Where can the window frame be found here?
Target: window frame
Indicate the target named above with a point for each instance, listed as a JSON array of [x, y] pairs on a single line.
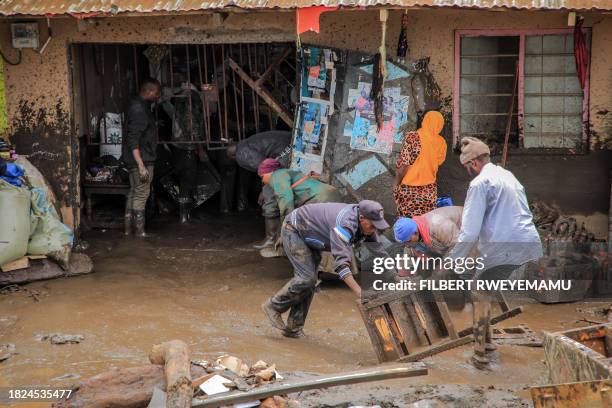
[[521, 33]]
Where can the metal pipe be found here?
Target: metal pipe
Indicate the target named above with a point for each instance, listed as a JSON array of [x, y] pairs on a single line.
[[208, 135]]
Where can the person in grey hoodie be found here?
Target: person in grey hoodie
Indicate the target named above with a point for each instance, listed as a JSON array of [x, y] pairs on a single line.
[[307, 231]]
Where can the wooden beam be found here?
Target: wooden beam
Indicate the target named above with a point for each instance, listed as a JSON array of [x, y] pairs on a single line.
[[274, 66], [384, 372], [286, 116]]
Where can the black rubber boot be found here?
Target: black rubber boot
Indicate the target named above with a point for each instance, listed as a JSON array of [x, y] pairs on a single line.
[[139, 223], [185, 212], [272, 227], [128, 222]]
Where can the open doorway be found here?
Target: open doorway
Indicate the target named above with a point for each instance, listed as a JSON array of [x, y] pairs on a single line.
[[212, 96]]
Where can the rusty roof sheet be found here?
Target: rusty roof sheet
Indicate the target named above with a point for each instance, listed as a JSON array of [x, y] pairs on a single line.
[[42, 7]]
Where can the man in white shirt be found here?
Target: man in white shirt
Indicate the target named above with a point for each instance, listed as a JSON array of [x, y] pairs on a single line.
[[497, 218]]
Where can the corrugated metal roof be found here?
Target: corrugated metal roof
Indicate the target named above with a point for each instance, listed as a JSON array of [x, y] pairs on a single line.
[[41, 7]]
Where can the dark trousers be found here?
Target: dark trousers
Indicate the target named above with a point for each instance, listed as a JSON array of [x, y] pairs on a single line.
[[185, 164], [297, 294]]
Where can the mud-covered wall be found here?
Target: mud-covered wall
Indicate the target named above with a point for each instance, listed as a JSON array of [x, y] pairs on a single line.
[[39, 103]]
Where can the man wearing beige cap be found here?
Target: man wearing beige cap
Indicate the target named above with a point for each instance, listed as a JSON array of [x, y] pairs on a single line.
[[497, 218]]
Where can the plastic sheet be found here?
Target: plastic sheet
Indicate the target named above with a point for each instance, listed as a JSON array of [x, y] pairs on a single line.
[[50, 237]]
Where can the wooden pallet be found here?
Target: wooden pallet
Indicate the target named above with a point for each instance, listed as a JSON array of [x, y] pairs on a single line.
[[409, 326]]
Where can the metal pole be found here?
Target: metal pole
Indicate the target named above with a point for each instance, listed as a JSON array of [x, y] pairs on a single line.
[[204, 100], [224, 90], [231, 49], [187, 56], [254, 100], [214, 58], [242, 97]]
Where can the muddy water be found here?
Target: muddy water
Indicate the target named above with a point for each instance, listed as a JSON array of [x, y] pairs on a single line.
[[204, 284]]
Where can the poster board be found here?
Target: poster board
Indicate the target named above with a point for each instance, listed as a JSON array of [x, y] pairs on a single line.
[[316, 105]]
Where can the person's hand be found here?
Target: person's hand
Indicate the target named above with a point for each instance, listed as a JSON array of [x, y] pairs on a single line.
[[260, 199], [143, 173]]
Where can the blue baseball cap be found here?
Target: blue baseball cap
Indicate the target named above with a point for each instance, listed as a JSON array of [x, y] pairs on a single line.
[[404, 228]]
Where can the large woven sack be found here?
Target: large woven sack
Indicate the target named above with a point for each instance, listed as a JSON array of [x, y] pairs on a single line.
[[14, 221]]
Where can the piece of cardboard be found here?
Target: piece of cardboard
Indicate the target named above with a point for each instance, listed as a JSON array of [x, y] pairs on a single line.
[[20, 263]]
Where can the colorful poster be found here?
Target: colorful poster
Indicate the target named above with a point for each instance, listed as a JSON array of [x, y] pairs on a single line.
[[364, 131], [312, 128], [318, 74]]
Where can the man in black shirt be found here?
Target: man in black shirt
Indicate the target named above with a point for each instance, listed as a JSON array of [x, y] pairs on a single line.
[[139, 154]]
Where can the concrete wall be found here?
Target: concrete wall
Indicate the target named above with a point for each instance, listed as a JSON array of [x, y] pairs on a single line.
[[39, 90]]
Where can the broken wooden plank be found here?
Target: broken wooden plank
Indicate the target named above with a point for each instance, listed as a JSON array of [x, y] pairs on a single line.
[[494, 320], [175, 357], [46, 269], [275, 65], [354, 377], [438, 348], [577, 355], [20, 263], [285, 115], [573, 395]]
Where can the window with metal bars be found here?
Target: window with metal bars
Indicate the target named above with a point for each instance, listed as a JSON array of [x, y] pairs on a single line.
[[538, 68]]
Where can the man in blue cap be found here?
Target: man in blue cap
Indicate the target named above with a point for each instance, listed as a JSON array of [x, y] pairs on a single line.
[[307, 231], [433, 233]]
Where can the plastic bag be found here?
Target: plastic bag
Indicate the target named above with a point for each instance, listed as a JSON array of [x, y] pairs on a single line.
[[50, 237], [14, 222], [35, 178]]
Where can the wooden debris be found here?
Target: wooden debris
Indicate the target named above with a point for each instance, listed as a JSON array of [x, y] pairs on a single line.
[[578, 355], [46, 269], [385, 372], [573, 395], [175, 356], [20, 263], [120, 388]]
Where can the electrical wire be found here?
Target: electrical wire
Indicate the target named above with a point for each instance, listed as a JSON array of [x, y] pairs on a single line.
[[9, 61]]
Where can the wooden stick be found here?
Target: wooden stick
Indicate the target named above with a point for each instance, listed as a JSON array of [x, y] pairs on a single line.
[[373, 374], [509, 122], [285, 115], [175, 357]]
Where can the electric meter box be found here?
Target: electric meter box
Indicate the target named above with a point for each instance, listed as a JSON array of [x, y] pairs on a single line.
[[25, 35]]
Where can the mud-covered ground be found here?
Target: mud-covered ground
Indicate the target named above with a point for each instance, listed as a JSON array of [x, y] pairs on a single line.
[[204, 284]]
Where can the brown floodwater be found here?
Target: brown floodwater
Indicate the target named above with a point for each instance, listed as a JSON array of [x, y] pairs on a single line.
[[204, 284]]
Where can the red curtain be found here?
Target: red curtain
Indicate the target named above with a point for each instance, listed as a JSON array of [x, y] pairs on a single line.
[[581, 53]]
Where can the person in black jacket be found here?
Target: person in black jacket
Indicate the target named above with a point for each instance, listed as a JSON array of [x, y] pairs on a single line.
[[139, 154]]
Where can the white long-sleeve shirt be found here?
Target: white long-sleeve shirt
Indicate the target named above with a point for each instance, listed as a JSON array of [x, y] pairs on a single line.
[[496, 215]]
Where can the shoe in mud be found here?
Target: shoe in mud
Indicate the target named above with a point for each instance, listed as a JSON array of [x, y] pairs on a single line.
[[275, 318], [480, 362], [293, 334]]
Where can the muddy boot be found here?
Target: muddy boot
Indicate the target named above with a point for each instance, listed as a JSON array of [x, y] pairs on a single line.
[[139, 223], [481, 312], [272, 226], [489, 345], [128, 222], [275, 317], [185, 212], [297, 317], [271, 252]]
